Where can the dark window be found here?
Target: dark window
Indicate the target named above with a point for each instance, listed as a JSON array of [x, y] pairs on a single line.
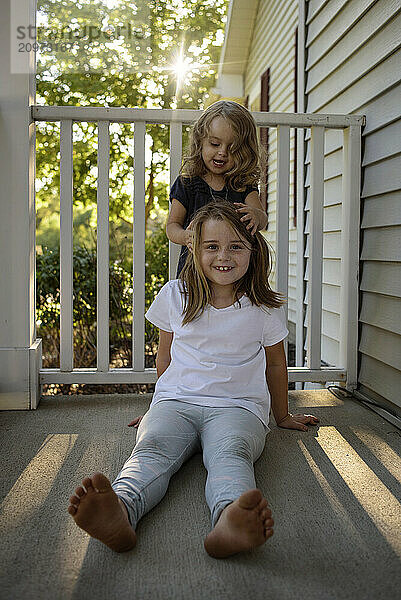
[[295, 142], [264, 137]]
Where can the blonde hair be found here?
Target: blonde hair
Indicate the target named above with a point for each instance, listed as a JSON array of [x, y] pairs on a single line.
[[255, 283], [245, 149]]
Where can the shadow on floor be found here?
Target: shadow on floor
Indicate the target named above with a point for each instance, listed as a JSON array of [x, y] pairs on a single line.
[[333, 492]]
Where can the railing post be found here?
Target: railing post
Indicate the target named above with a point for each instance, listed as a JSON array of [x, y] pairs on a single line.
[[282, 212], [315, 248], [350, 232], [300, 316], [20, 350], [300, 186]]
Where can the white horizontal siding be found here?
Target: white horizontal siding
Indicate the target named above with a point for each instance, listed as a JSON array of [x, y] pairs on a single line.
[[353, 28], [381, 110], [381, 311], [322, 86], [382, 144], [383, 210], [382, 243], [381, 278], [383, 345], [320, 14], [354, 66], [335, 28], [273, 47], [367, 88], [381, 379], [382, 177]]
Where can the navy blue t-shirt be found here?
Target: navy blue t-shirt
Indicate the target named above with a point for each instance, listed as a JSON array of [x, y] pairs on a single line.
[[193, 193]]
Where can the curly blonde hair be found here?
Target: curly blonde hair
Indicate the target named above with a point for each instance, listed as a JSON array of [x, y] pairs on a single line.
[[245, 150], [255, 283]]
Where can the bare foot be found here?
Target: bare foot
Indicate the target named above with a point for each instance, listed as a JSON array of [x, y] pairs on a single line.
[[97, 509], [243, 525]]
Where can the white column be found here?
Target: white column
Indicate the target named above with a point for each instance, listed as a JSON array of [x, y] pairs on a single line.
[[20, 351], [282, 212], [300, 141], [350, 255], [314, 312]]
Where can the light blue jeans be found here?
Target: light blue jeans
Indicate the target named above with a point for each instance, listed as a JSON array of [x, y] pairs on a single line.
[[231, 439]]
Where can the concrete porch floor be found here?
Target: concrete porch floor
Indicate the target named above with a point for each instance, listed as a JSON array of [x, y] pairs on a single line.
[[333, 492]]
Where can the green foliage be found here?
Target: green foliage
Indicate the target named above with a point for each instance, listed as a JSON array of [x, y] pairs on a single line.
[[84, 303], [188, 28], [121, 76], [138, 71]]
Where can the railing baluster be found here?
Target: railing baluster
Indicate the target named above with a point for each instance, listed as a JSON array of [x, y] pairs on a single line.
[[103, 159], [175, 164], [138, 325], [300, 183], [66, 248], [350, 230], [350, 254], [282, 212], [315, 248]]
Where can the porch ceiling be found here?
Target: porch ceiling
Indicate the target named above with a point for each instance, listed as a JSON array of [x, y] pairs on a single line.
[[238, 34], [332, 491]]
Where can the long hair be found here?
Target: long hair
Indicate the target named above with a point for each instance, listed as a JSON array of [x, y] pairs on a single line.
[[254, 283], [245, 149]]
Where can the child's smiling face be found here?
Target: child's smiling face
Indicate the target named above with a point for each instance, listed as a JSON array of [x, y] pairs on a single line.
[[216, 147], [224, 256]]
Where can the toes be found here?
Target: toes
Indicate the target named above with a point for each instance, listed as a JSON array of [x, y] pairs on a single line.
[[266, 514], [96, 483], [87, 484], [250, 499], [269, 523], [74, 500], [101, 483], [268, 533], [79, 492]]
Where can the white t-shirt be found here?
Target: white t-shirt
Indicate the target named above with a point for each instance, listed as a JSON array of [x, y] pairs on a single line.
[[218, 359]]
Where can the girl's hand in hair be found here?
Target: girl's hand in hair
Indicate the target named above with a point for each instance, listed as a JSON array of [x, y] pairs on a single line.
[[252, 215], [135, 422], [189, 236], [299, 421]]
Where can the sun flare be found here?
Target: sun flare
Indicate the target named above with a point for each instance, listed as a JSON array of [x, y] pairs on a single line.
[[181, 67]]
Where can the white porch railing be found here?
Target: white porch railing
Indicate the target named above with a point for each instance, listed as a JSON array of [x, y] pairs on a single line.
[[346, 371]]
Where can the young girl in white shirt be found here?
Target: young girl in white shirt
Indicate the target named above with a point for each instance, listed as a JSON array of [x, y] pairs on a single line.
[[220, 359]]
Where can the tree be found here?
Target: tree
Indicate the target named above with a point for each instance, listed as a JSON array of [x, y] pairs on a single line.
[[97, 72]]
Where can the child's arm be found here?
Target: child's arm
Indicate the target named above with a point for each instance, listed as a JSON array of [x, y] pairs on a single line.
[[277, 381], [174, 228], [253, 212], [163, 359]]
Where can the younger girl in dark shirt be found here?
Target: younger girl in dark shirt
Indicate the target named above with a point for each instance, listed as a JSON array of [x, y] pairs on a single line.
[[222, 163]]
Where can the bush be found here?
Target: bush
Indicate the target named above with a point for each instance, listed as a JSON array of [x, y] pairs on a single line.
[[84, 304]]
